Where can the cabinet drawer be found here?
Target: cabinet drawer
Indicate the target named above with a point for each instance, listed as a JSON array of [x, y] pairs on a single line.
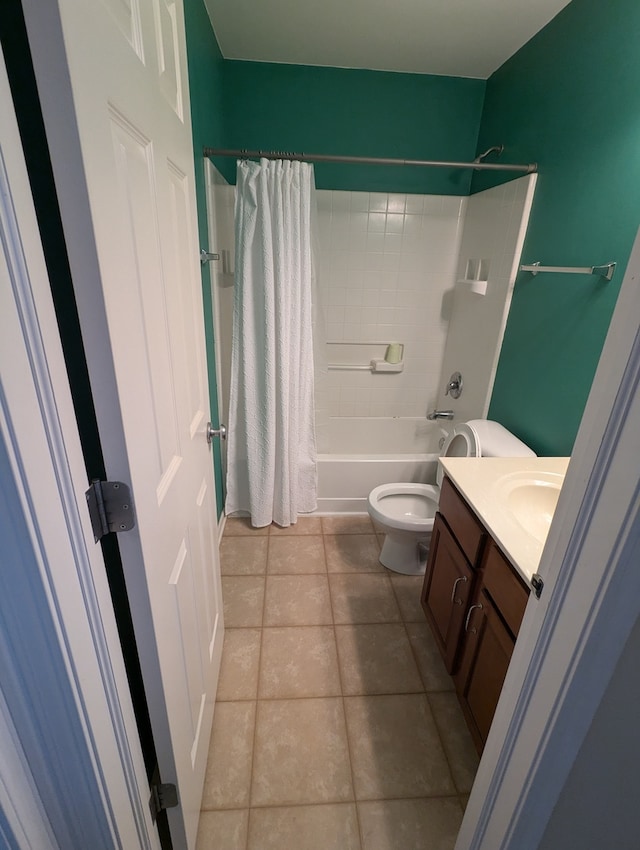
[[466, 528], [508, 591]]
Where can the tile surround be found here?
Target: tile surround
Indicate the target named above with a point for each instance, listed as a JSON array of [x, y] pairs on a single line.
[[340, 735], [387, 263]]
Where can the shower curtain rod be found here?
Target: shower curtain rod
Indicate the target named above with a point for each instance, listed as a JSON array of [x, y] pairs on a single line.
[[368, 160]]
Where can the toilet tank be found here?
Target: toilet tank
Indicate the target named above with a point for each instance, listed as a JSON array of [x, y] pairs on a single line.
[[496, 441]]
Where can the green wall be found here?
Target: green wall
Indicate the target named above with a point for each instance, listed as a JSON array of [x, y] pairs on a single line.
[[567, 100], [356, 113], [570, 100], [205, 87]]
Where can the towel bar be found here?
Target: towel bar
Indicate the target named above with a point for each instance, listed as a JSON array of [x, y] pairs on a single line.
[[606, 270]]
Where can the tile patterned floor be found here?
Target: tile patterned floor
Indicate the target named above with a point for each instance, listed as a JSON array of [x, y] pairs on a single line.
[[336, 725]]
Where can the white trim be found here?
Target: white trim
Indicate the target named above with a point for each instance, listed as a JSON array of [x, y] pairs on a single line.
[[221, 525], [572, 638], [532, 182], [20, 802]]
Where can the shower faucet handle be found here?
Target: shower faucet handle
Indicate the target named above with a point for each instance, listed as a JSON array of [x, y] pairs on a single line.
[[454, 387]]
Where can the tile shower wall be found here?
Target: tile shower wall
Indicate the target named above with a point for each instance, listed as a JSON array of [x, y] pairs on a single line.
[[387, 271]]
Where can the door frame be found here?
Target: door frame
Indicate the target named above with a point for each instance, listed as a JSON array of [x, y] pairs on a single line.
[[213, 274]]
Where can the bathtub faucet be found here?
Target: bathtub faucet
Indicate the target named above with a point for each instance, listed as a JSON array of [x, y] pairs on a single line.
[[440, 414]]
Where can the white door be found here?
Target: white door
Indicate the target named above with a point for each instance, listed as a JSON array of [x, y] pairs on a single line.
[[113, 83], [61, 667]]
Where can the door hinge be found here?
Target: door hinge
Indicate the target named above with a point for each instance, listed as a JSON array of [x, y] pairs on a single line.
[[163, 796], [110, 507], [537, 583]]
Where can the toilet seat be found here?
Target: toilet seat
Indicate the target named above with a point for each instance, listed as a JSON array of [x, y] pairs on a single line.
[[463, 441], [406, 512], [405, 507]]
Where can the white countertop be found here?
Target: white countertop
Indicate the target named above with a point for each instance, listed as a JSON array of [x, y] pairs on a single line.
[[480, 480]]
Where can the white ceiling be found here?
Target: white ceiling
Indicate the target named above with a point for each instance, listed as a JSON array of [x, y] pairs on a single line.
[[461, 38]]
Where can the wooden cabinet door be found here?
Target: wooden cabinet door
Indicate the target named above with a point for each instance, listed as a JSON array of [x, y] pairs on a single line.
[[447, 588], [484, 661]]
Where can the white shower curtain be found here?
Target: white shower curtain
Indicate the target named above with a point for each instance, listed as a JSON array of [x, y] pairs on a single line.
[[271, 460]]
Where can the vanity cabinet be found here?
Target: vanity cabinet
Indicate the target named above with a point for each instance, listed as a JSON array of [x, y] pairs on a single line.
[[446, 593], [474, 601], [457, 541], [491, 627]]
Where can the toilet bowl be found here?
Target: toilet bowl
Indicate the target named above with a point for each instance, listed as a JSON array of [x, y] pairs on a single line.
[[406, 511]]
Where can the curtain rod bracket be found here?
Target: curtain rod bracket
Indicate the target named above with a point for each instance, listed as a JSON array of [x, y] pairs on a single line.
[[497, 149]]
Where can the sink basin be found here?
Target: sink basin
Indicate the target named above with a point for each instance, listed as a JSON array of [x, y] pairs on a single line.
[[531, 499]]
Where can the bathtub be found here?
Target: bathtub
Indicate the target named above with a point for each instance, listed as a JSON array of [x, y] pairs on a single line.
[[368, 451]]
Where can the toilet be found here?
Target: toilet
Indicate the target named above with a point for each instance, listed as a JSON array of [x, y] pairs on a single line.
[[406, 511]]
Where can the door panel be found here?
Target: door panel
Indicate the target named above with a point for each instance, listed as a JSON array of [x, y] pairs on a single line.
[[136, 274], [186, 309], [62, 669]]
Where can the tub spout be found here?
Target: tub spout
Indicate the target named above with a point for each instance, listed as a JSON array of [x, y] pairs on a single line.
[[440, 414]]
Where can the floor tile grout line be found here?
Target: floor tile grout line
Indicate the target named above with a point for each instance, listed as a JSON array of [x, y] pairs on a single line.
[[298, 698], [442, 744], [375, 572], [411, 647], [346, 731], [255, 718], [426, 693], [317, 625], [354, 802]]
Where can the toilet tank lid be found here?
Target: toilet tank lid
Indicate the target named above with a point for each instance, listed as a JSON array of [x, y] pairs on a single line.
[[496, 441]]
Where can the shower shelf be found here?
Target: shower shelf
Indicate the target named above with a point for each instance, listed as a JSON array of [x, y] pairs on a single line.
[[374, 366], [479, 287], [372, 349], [347, 367]]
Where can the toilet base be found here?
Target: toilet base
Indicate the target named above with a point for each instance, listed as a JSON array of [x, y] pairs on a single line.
[[405, 554]]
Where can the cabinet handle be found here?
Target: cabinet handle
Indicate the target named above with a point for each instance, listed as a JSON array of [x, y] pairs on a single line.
[[453, 592], [466, 622]]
